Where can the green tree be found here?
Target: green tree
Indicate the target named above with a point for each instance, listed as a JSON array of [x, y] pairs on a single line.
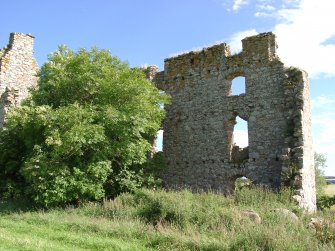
[[320, 162], [85, 130]]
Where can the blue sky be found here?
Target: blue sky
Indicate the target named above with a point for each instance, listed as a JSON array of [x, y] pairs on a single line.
[[148, 31]]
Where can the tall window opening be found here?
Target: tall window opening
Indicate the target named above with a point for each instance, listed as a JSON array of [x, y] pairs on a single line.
[[159, 141], [240, 142], [240, 134], [160, 134], [238, 86]]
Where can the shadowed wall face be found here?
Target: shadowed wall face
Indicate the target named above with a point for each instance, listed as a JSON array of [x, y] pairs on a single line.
[[198, 130]]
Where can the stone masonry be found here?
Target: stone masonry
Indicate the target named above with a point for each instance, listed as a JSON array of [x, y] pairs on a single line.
[[198, 130], [18, 69]]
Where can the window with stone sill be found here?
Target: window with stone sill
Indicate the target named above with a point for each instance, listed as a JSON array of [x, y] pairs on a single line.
[[238, 86]]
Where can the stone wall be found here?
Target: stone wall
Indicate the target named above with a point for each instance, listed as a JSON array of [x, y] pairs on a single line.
[[198, 130], [18, 69]]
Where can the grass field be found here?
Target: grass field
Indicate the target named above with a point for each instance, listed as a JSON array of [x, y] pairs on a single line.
[[330, 190], [160, 220]]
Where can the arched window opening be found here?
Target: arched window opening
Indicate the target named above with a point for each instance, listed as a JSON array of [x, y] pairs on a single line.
[[238, 86], [238, 183], [240, 142], [242, 182]]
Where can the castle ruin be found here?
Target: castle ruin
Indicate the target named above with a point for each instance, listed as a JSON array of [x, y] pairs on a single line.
[[18, 70], [198, 130]]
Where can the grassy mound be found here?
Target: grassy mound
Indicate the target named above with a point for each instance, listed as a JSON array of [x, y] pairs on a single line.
[[161, 220]]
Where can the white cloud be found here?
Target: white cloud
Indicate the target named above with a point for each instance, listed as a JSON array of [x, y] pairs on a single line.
[[241, 137], [265, 7], [301, 33], [291, 3], [238, 3], [261, 5], [304, 30], [323, 129], [262, 14], [234, 5]]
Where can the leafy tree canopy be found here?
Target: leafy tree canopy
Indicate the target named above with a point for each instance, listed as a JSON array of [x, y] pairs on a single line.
[[83, 133]]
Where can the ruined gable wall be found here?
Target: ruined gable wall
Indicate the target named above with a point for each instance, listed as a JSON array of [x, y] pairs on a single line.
[[18, 69], [199, 126]]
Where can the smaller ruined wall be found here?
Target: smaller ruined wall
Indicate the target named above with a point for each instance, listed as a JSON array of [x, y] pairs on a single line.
[[18, 69], [298, 165]]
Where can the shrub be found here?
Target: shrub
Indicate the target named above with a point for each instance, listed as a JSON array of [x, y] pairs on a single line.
[[84, 132], [324, 202]]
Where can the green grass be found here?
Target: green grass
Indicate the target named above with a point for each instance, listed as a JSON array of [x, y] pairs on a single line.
[[59, 230], [160, 220]]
